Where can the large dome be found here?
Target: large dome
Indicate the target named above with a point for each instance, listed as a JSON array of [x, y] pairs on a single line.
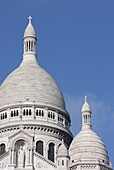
[[87, 145], [31, 82]]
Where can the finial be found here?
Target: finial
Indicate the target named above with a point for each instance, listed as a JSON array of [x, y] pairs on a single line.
[[30, 19], [85, 98]]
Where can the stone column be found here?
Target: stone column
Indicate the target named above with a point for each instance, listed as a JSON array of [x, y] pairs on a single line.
[[12, 156], [27, 157], [33, 112], [8, 113], [46, 113], [20, 112], [12, 163], [56, 116], [31, 156], [63, 121], [46, 152]]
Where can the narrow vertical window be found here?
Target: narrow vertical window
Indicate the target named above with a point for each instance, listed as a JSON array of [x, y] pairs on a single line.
[[14, 113], [27, 112], [62, 162], [30, 112], [2, 149], [29, 45], [5, 115], [39, 147], [51, 155], [17, 113], [11, 113], [32, 46], [24, 112]]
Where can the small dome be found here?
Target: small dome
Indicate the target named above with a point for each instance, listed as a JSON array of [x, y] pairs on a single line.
[[62, 151], [86, 107], [30, 31], [87, 145]]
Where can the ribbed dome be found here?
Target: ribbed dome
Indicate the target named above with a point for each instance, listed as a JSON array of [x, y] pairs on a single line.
[[87, 145], [31, 82]]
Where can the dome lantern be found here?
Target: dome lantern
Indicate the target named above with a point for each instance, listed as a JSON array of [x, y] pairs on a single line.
[[86, 115], [29, 42]]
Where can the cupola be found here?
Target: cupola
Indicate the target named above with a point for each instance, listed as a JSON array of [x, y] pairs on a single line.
[[30, 42], [86, 115]]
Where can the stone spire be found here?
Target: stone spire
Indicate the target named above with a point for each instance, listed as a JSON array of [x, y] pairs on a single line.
[[29, 42], [86, 115]]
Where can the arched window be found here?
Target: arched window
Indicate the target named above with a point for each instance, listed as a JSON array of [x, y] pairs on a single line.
[[14, 113], [27, 112], [24, 112], [27, 45], [11, 113], [17, 113], [39, 147], [42, 113], [36, 112], [51, 155], [39, 112], [62, 162], [49, 114], [32, 46], [5, 115], [30, 112], [2, 149]]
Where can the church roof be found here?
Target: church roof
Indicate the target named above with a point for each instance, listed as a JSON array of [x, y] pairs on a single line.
[[29, 82]]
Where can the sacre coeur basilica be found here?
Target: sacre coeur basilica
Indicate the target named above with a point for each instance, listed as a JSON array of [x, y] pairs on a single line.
[[35, 125]]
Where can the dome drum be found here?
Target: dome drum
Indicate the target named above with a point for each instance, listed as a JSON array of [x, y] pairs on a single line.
[[34, 113]]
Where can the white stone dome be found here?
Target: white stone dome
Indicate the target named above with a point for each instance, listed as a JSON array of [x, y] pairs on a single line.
[[87, 145], [29, 82]]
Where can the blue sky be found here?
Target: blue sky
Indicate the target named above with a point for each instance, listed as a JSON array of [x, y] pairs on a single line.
[[75, 45]]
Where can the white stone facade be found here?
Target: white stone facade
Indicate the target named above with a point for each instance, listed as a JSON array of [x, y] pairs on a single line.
[[35, 126]]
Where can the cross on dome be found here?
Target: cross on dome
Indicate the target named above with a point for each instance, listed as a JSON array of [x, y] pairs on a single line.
[[85, 98], [30, 19]]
